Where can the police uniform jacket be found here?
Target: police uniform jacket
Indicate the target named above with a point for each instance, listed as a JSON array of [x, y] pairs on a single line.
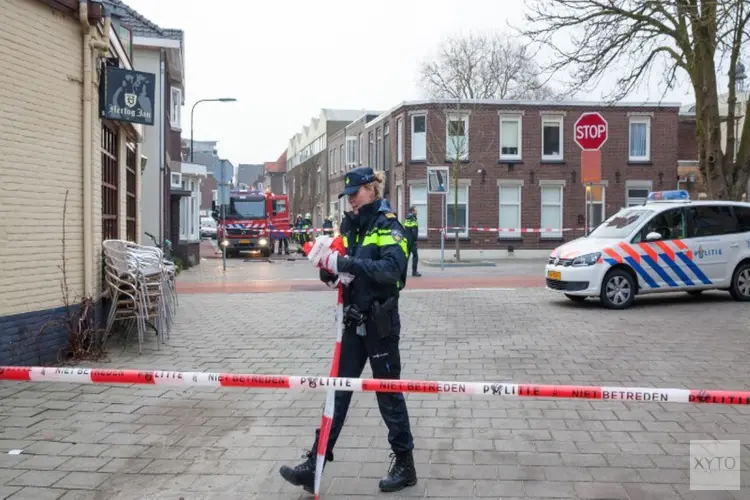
[[376, 255], [412, 229]]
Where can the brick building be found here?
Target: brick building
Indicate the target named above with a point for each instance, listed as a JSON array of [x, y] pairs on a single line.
[[58, 146], [521, 166], [347, 149]]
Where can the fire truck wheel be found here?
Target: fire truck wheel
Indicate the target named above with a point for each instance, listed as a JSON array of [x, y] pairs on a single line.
[[266, 253]]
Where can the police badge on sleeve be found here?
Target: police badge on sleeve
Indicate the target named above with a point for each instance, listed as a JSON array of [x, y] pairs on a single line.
[[397, 236]]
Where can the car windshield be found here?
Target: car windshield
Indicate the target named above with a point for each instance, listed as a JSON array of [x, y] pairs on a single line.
[[622, 224], [208, 222], [247, 208]]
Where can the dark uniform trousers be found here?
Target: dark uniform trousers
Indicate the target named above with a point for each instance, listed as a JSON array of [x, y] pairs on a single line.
[[385, 362]]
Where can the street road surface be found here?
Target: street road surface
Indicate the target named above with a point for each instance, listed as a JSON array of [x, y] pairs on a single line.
[[119, 442]]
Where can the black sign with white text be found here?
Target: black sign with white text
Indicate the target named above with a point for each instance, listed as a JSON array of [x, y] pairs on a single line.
[[128, 96]]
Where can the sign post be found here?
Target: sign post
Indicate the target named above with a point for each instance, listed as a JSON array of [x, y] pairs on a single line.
[[590, 131], [438, 182], [226, 172]]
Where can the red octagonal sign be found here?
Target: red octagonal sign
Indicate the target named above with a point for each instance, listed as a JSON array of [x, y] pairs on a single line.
[[591, 131]]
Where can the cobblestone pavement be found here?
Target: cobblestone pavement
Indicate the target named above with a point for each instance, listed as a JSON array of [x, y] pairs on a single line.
[[120, 442]]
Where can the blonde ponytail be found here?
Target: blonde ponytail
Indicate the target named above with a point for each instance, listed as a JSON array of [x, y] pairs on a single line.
[[378, 184]]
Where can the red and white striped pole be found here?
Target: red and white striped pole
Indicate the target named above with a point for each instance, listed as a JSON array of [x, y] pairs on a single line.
[[327, 419]]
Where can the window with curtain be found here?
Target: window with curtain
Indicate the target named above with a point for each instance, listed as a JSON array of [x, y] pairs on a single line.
[[418, 198], [595, 196], [640, 138], [510, 138], [552, 211], [509, 198]]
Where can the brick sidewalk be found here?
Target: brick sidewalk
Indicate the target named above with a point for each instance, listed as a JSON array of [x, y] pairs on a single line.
[[97, 442]]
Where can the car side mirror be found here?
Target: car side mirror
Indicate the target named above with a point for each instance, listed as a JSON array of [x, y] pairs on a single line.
[[653, 236]]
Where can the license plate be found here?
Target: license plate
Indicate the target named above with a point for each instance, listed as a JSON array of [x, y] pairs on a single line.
[[554, 275], [244, 242]]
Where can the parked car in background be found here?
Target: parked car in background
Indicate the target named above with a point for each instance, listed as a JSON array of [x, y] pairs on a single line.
[[208, 228]]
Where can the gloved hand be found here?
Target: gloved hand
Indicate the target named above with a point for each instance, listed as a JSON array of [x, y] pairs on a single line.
[[333, 280]]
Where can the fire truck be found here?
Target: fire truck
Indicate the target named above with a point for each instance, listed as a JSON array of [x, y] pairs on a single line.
[[252, 221]]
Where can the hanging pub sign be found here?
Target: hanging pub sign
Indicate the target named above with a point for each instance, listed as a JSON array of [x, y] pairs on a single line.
[[127, 95]]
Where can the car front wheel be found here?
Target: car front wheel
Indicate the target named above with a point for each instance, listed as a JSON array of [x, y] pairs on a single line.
[[618, 289]]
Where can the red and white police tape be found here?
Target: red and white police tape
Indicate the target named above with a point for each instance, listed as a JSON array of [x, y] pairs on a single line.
[[447, 229], [297, 382]]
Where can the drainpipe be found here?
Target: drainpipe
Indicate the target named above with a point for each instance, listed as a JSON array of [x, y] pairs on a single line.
[[89, 42]]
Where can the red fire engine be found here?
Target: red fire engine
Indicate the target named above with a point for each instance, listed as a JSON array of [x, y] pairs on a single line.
[[253, 221]]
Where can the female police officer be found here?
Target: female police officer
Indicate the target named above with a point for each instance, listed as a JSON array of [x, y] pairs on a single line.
[[376, 257]]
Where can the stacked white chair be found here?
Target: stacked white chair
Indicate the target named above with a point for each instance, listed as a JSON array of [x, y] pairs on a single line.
[[141, 284]]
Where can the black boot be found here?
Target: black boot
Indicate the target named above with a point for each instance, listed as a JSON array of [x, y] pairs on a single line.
[[304, 474], [401, 474]]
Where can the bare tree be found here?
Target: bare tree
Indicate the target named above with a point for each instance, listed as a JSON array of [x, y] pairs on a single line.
[[484, 66], [677, 38], [469, 68]]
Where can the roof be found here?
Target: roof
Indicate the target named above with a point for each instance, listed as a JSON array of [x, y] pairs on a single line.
[[273, 167], [549, 103], [140, 25]]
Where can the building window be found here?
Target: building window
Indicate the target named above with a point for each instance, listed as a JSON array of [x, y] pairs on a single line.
[[332, 162], [386, 147], [595, 196], [400, 203], [130, 194], [351, 152], [419, 137], [552, 138], [342, 159], [552, 211], [378, 150], [371, 151], [361, 156], [400, 140], [175, 114], [418, 198], [509, 222], [636, 192], [189, 211], [110, 180], [640, 138], [510, 137], [457, 138], [460, 217]]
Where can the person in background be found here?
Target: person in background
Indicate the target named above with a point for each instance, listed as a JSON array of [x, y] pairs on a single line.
[[411, 225], [328, 226]]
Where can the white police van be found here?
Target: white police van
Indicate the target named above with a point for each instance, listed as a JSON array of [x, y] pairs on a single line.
[[668, 244]]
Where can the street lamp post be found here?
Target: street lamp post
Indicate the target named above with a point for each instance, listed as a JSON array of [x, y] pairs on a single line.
[[220, 99]]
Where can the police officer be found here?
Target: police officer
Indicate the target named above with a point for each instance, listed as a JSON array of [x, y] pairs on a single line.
[[375, 269], [412, 232]]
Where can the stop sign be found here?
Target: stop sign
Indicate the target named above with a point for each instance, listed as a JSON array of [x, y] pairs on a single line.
[[591, 131]]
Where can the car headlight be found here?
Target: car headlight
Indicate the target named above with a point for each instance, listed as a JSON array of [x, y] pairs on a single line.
[[586, 260], [224, 243], [263, 242]]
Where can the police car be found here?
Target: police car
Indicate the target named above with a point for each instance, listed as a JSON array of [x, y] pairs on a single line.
[[668, 244]]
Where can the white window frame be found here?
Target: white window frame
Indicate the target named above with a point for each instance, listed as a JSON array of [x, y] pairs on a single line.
[[422, 207], [400, 140], [552, 185], [449, 201], [175, 115], [400, 202], [647, 121], [332, 161], [591, 203], [507, 235], [361, 146], [636, 184], [351, 151], [559, 120], [511, 118], [457, 117], [419, 155]]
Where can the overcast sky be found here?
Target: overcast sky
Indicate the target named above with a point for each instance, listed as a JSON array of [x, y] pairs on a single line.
[[284, 61]]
